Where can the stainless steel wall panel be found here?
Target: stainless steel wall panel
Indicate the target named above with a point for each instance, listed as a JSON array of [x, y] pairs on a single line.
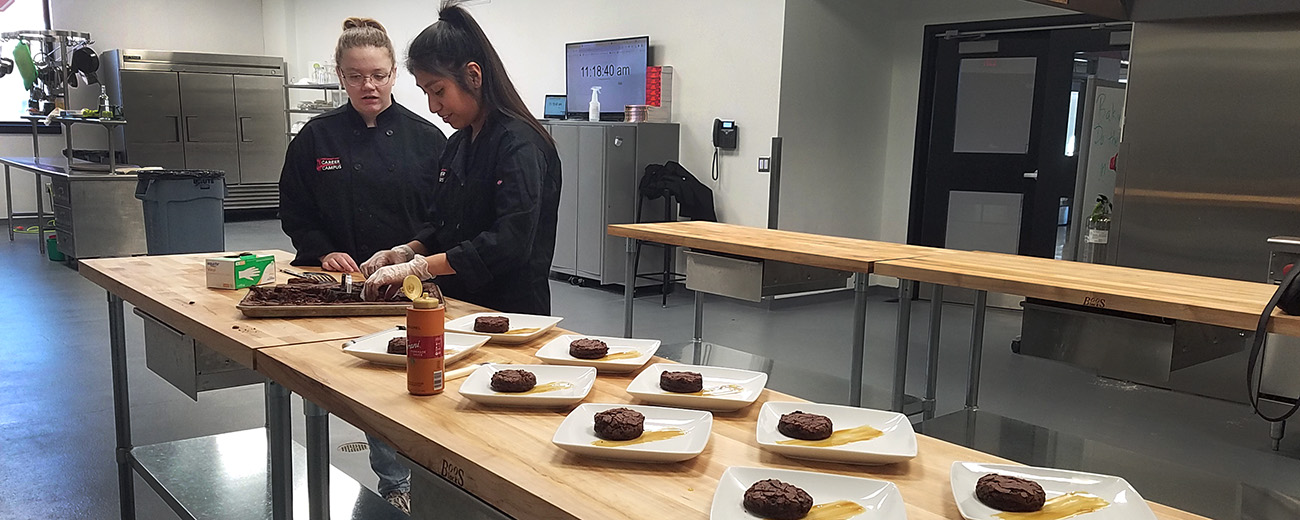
[[1210, 156]]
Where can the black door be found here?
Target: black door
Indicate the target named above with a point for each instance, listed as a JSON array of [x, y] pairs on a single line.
[[982, 166], [991, 167]]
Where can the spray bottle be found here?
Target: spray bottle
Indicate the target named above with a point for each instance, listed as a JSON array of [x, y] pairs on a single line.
[[425, 327], [593, 110]]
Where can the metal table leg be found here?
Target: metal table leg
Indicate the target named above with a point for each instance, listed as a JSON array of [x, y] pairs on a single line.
[[901, 345], [318, 461], [976, 349], [629, 287], [40, 214], [860, 281], [121, 407], [9, 203], [932, 358], [697, 341], [279, 439], [1276, 431]]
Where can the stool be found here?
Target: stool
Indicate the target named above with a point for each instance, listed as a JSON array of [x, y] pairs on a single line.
[[667, 277]]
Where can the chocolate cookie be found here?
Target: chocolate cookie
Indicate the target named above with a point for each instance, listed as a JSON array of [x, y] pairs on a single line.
[[806, 426], [1008, 493], [777, 500], [492, 324], [513, 381], [619, 424], [397, 346], [681, 382], [587, 348]]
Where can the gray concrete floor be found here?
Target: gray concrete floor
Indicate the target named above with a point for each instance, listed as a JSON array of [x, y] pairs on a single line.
[[56, 416]]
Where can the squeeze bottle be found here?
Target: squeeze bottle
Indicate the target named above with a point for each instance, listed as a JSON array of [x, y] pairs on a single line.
[[424, 339], [593, 110]]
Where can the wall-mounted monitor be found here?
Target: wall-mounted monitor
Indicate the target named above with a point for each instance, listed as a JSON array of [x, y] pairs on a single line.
[[616, 66]]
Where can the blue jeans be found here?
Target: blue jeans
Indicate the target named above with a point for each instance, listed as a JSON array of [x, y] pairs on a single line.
[[393, 476]]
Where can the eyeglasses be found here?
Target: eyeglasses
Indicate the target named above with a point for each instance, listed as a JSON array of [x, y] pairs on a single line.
[[379, 79]]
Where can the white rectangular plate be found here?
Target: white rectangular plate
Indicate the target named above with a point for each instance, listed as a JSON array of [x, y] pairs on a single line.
[[646, 387], [465, 324], [577, 433], [881, 499], [896, 445], [374, 347], [556, 352], [1125, 502], [478, 387]]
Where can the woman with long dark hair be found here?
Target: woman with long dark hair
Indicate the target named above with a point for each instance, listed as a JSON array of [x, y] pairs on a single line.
[[491, 234]]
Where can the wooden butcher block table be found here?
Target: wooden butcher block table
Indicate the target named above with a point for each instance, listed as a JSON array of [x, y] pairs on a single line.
[[174, 290], [504, 456]]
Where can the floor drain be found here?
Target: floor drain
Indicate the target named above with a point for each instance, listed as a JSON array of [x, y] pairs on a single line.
[[353, 447]]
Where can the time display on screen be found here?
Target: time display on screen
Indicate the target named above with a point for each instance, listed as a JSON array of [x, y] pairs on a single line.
[[608, 70]]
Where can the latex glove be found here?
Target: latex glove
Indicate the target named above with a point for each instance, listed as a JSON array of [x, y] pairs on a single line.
[[394, 275], [396, 255], [339, 261]]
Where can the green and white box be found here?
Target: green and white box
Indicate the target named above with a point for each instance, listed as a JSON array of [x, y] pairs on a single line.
[[240, 271]]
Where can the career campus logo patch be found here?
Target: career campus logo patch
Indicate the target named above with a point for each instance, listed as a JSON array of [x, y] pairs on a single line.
[[328, 163]]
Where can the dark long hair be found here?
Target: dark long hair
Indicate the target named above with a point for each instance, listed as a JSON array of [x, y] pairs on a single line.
[[444, 48]]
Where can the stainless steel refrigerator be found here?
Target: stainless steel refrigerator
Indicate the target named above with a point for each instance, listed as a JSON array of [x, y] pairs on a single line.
[[206, 111]]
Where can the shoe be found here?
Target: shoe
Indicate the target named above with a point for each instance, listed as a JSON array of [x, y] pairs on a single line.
[[400, 499]]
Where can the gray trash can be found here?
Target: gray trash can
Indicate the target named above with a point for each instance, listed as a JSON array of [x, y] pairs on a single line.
[[183, 210]]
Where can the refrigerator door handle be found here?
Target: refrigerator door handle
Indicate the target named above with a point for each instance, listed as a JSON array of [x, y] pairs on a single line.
[[242, 137], [188, 133]]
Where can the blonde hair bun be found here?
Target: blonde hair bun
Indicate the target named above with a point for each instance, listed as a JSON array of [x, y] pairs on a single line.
[[358, 23], [363, 32]]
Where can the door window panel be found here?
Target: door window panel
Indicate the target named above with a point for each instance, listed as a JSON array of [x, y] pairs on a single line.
[[995, 105]]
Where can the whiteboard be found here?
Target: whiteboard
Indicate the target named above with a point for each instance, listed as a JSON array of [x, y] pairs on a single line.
[[1103, 126]]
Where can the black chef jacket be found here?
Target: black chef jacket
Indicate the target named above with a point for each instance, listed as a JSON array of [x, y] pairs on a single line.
[[495, 205], [349, 188]]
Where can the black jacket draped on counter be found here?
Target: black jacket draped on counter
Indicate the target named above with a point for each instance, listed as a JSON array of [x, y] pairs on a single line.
[[349, 188], [495, 204]]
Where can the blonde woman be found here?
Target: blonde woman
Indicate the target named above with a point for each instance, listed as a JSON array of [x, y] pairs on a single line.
[[358, 180]]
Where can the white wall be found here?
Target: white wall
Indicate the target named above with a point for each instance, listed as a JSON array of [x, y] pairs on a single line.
[[834, 116], [726, 56], [228, 26], [907, 34]]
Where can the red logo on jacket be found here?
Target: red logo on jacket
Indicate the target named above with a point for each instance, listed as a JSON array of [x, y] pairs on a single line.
[[328, 163]]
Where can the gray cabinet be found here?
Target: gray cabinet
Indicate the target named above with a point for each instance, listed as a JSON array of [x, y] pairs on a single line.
[[602, 164], [206, 111]]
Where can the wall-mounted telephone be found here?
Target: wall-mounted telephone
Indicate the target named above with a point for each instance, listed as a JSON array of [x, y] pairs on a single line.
[[724, 134]]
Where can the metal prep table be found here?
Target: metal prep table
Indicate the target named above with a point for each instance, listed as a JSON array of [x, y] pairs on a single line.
[[1196, 301], [801, 249], [100, 208]]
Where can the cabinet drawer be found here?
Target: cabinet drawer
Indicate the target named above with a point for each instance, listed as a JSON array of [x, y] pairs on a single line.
[[61, 192], [63, 217]]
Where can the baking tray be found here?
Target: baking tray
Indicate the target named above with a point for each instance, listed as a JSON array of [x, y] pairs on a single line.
[[322, 310]]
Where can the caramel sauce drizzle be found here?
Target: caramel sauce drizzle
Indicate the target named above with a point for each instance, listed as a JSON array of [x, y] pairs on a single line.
[[716, 391], [837, 510], [839, 437], [1062, 507], [651, 436], [627, 354], [542, 388]]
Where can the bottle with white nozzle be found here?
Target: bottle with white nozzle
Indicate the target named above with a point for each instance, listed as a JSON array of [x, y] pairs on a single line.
[[593, 110]]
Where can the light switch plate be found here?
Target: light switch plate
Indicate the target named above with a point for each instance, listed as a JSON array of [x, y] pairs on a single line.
[[764, 164]]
